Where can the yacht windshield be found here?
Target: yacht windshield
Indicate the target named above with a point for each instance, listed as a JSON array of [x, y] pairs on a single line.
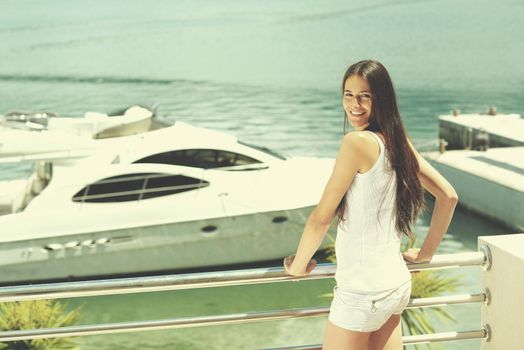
[[263, 149], [200, 158]]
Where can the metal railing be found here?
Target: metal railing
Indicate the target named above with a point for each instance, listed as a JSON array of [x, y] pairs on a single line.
[[227, 278]]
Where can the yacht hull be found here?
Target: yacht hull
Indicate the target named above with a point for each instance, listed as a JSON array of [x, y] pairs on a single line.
[[164, 247]]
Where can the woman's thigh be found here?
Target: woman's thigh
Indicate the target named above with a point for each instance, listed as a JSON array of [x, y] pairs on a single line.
[[336, 338], [388, 337]]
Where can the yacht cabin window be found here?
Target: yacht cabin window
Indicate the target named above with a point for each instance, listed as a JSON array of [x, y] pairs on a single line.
[[138, 186], [200, 158]]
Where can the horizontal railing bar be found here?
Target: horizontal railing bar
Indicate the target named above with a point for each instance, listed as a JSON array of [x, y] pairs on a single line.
[[153, 283], [412, 339], [446, 300], [123, 327], [201, 280], [451, 261], [186, 322], [445, 336]]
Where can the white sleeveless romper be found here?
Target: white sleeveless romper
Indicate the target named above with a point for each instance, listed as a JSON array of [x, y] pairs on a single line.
[[373, 281]]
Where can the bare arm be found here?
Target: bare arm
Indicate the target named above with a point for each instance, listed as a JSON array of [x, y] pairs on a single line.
[[350, 157], [445, 201]]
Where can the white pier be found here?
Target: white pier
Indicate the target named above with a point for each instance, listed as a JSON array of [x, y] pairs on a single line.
[[489, 183], [461, 131]]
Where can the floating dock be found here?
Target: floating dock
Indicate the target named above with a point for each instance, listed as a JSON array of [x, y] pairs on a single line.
[[461, 131], [490, 183]]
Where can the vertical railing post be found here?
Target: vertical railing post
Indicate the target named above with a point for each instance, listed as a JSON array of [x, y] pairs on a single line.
[[504, 280]]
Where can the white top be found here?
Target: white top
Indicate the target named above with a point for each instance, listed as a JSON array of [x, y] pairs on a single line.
[[368, 244]]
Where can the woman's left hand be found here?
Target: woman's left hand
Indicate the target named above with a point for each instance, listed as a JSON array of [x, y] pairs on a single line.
[[288, 261], [412, 255]]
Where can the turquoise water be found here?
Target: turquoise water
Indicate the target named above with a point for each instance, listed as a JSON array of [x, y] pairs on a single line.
[[268, 72]]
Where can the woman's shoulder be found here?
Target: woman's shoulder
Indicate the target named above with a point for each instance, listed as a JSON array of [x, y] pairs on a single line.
[[359, 139], [364, 145]]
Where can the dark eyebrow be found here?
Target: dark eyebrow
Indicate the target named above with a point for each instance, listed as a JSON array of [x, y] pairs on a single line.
[[365, 91]]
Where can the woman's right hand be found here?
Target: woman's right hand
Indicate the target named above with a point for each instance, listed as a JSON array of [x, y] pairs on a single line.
[[288, 261], [412, 256]]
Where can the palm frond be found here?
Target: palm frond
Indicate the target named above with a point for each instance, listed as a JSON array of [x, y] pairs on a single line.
[[36, 314]]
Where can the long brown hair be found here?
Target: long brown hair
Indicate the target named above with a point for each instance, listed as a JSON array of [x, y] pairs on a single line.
[[385, 119]]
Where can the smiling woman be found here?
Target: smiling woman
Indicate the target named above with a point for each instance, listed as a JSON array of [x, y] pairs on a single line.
[[376, 190]]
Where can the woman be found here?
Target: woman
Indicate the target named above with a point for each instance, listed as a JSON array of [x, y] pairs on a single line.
[[376, 189]]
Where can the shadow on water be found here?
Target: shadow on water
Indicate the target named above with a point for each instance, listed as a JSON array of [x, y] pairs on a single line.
[[466, 227]]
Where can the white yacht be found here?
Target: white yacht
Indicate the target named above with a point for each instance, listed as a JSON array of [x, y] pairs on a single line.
[[172, 198], [46, 136]]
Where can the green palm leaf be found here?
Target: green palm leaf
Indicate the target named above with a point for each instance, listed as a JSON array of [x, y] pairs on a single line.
[[37, 314]]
